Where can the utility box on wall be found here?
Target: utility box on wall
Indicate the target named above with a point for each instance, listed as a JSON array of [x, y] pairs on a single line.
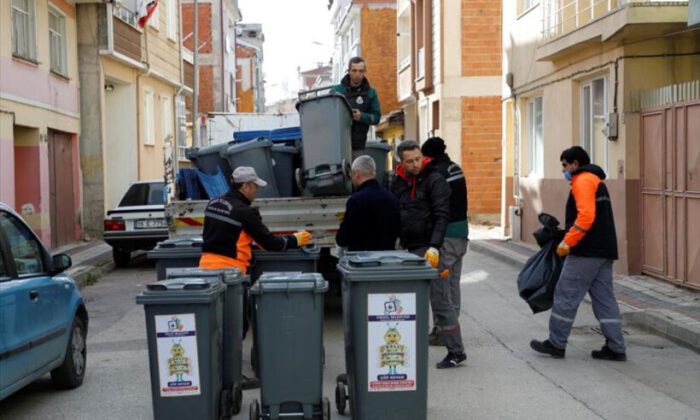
[[693, 13]]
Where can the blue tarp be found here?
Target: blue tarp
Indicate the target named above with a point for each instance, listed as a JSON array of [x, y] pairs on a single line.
[[189, 186], [285, 134], [214, 185]]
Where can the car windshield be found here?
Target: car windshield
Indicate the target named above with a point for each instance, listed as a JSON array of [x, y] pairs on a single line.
[[146, 194]]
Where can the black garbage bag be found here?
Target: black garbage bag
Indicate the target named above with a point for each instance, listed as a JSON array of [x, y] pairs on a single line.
[[538, 279]]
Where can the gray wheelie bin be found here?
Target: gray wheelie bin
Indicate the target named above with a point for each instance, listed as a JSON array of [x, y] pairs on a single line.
[[385, 319], [207, 159], [326, 119], [172, 253], [256, 153], [232, 363], [303, 260], [184, 319], [284, 157], [289, 324], [379, 151]]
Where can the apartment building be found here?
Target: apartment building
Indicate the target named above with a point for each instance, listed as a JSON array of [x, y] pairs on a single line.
[[621, 79], [40, 116]]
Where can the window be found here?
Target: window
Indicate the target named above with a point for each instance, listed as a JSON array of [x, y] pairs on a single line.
[[144, 194], [149, 124], [166, 113], [154, 21], [535, 138], [593, 121], [172, 19], [24, 247], [23, 34], [57, 42]]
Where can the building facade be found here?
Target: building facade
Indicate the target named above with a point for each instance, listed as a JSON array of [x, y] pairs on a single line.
[[449, 85], [622, 80], [132, 79], [40, 116], [250, 88]]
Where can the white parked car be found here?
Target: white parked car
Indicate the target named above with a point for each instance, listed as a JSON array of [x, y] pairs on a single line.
[[138, 222]]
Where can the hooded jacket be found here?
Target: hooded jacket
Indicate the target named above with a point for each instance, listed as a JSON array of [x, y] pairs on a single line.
[[231, 224], [424, 206], [365, 99], [590, 224], [458, 227]]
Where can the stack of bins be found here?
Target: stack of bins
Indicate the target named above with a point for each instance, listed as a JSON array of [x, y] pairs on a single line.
[[172, 253], [284, 158], [379, 151], [289, 324], [184, 320], [232, 363], [385, 319], [209, 159], [256, 153], [327, 148]]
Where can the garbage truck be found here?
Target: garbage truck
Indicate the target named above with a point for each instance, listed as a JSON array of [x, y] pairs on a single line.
[[311, 209]]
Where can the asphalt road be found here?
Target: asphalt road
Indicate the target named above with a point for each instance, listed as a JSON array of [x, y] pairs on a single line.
[[502, 379]]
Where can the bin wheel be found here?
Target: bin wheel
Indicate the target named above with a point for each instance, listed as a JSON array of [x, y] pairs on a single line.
[[225, 406], [341, 397], [254, 410], [237, 400], [342, 378], [299, 179], [326, 409]]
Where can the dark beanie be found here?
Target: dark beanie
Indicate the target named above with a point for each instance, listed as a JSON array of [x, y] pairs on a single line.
[[433, 147]]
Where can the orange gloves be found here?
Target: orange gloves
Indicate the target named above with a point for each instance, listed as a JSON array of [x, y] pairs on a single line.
[[432, 255], [303, 237], [563, 249]]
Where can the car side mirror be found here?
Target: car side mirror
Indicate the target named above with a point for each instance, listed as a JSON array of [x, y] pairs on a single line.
[[61, 263]]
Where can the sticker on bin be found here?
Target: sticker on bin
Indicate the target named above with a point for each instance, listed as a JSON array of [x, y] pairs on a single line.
[[391, 338], [178, 363]]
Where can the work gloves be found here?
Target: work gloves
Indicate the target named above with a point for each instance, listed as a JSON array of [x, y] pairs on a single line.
[[303, 238], [432, 255], [563, 249]]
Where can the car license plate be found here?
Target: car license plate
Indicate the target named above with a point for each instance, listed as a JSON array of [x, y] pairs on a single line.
[[150, 224]]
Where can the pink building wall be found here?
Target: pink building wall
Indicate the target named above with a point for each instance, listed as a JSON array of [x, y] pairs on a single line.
[[7, 167]]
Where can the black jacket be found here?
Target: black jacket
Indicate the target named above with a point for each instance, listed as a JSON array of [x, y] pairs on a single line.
[[363, 98], [424, 204], [229, 219], [371, 221], [458, 226], [601, 240]]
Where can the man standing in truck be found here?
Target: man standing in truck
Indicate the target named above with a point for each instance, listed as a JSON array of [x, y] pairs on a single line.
[[363, 101]]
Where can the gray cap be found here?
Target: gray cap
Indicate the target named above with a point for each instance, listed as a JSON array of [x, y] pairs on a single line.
[[244, 174]]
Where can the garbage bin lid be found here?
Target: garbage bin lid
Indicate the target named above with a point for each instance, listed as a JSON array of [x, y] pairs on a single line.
[[377, 145], [230, 276], [249, 145], [213, 149], [283, 148], [305, 253], [177, 248], [313, 98], [289, 282], [181, 291], [385, 265]]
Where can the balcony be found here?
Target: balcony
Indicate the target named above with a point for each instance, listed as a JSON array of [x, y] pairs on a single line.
[[119, 35], [569, 24]]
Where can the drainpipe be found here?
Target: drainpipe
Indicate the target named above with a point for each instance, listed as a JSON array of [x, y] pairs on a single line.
[[224, 33], [139, 125], [195, 88]]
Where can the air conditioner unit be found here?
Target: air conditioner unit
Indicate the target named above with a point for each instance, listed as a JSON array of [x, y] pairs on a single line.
[[693, 13], [514, 218]]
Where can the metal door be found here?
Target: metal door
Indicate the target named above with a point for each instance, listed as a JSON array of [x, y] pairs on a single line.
[[63, 220], [670, 187]]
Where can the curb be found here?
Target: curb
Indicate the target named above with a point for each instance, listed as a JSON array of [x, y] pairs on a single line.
[[81, 274], [659, 321]]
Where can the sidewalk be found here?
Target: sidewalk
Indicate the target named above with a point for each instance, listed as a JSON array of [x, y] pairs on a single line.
[[658, 306], [91, 260]]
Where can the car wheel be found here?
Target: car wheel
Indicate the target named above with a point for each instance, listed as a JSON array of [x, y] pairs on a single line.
[[121, 257], [71, 373]]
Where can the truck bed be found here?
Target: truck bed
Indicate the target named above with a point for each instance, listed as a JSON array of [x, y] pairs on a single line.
[[320, 216]]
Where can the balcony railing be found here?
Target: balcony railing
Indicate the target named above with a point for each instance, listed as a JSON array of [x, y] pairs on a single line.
[[563, 16]]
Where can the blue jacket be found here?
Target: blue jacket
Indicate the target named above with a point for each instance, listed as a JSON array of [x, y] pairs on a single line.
[[372, 220]]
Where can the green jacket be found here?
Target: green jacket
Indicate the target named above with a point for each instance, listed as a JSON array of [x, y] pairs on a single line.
[[365, 99]]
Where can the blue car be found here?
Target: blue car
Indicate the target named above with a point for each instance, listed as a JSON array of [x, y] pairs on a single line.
[[43, 320]]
